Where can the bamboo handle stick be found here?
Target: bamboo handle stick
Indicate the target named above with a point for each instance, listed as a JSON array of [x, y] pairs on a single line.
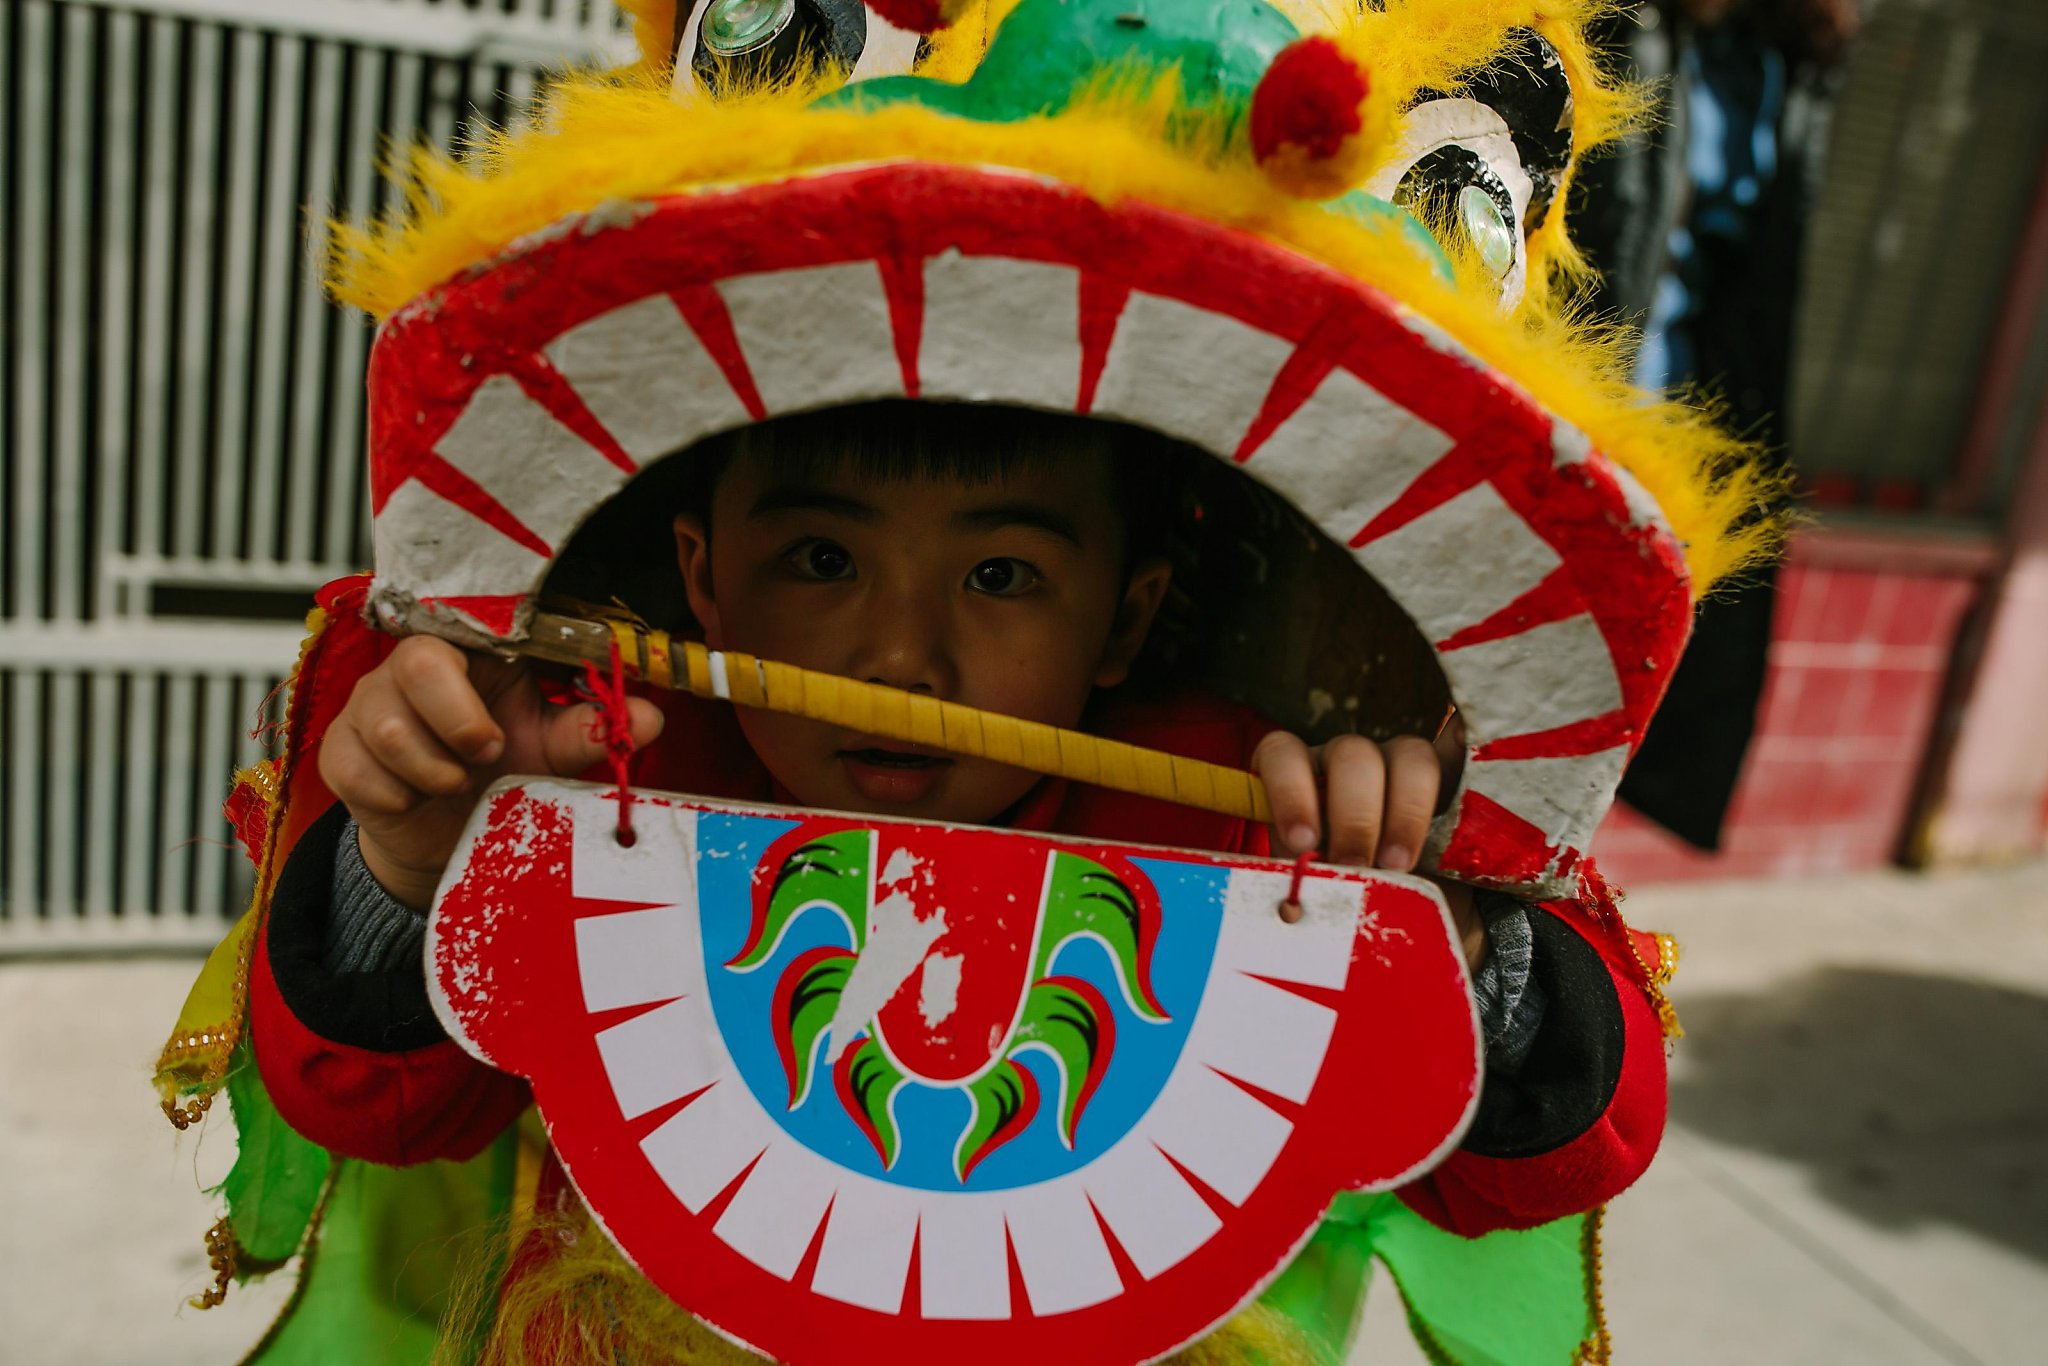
[[893, 714]]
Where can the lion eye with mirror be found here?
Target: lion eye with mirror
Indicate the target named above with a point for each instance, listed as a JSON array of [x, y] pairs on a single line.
[[721, 45], [1481, 168]]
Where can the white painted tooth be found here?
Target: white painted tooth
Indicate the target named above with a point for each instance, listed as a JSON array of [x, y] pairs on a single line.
[[1459, 563], [662, 1055], [866, 1256], [660, 865], [1262, 1034], [635, 957], [1154, 1213], [1001, 330], [1314, 951], [1542, 678], [776, 1211], [963, 1260], [427, 547], [1347, 453], [544, 474], [1188, 372], [1211, 1127], [815, 336], [1563, 797], [703, 1146], [644, 375], [1060, 1249]]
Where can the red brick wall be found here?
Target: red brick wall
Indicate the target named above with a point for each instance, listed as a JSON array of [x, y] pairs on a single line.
[[1865, 631]]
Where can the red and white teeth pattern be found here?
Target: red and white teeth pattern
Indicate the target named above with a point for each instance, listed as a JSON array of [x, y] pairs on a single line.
[[1530, 562], [1205, 1139]]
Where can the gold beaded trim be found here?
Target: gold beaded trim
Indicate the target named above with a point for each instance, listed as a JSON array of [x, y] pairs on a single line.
[[1606, 901], [220, 1040], [221, 1254], [1667, 958], [1597, 1350]]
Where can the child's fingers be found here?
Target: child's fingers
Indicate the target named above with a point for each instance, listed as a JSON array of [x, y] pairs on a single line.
[[1413, 775], [646, 720], [1354, 773], [357, 780], [400, 741], [434, 679], [1288, 770]]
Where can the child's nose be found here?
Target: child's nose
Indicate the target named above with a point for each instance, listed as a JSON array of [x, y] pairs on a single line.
[[904, 644]]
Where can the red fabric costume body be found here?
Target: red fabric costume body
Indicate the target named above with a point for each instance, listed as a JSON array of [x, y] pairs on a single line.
[[1576, 1125]]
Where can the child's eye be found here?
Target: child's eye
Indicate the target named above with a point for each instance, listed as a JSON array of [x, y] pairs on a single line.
[[1002, 577], [821, 560]]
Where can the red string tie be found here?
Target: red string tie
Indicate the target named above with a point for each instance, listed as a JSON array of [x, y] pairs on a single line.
[[1291, 908], [613, 725]]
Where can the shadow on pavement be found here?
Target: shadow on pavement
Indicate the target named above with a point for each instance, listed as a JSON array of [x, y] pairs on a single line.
[[1912, 1098]]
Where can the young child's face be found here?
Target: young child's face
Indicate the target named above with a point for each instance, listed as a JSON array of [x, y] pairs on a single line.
[[1011, 596]]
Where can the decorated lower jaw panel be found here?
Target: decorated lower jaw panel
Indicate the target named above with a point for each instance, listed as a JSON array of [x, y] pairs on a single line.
[[854, 1090]]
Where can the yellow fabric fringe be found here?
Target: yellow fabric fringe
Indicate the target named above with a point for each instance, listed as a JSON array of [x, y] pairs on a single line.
[[583, 1304], [629, 138]]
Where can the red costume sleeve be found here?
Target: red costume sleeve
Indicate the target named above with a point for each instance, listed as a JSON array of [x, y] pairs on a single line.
[[1570, 1127], [1580, 1118], [356, 1061]]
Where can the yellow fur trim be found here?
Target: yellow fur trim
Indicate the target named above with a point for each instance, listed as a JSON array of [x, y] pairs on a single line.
[[610, 140]]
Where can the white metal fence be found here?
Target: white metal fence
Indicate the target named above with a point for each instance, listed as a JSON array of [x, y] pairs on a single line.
[[181, 422]]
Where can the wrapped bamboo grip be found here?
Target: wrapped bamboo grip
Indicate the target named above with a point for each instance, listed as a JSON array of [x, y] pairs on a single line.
[[893, 714]]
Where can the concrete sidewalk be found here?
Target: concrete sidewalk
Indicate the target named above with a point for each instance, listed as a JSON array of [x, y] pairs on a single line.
[[1857, 1168]]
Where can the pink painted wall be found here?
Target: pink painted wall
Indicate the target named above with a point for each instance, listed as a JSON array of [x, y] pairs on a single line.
[[1861, 653], [1992, 793]]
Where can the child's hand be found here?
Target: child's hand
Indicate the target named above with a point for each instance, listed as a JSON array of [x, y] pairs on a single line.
[[1380, 797], [422, 736], [1376, 801]]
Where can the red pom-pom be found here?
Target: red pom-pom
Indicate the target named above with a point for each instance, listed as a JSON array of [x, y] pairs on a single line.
[[1309, 98], [1313, 118], [918, 16]]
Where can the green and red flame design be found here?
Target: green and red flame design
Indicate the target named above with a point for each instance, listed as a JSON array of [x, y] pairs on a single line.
[[946, 976]]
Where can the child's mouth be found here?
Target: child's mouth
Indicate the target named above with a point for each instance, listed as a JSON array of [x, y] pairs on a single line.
[[893, 776]]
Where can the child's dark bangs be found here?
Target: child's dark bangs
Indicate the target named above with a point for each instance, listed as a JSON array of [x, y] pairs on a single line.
[[904, 442]]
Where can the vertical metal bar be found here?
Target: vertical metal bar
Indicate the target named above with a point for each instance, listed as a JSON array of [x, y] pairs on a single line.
[[25, 800], [520, 85], [346, 501], [142, 781], [10, 909], [155, 349], [102, 781], [445, 99], [31, 351], [216, 747], [479, 100], [323, 139], [282, 258], [174, 798], [10, 290], [61, 761], [75, 262], [232, 330], [200, 274], [118, 194]]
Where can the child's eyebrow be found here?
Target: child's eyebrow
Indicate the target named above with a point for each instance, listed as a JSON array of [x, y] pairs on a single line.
[[1037, 515], [811, 498]]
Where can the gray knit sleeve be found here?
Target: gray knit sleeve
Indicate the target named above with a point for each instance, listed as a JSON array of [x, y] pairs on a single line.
[[1510, 999], [368, 929]]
